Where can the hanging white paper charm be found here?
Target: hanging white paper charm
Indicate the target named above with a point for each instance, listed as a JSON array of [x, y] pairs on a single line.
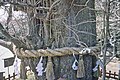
[[39, 67], [95, 69], [98, 63], [85, 50], [15, 64], [75, 63]]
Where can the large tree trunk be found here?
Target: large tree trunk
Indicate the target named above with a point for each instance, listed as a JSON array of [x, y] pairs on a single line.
[[63, 32], [63, 66], [65, 37]]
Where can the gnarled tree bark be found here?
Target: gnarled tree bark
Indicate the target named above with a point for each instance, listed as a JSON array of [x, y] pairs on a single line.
[[65, 32]]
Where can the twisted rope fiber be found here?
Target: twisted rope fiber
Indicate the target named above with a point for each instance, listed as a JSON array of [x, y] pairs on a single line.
[[55, 52]]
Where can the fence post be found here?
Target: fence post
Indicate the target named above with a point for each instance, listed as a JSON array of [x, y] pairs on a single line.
[[109, 74], [9, 77], [13, 75], [114, 74]]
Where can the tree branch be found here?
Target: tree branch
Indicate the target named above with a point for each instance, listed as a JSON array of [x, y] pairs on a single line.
[[4, 32], [24, 4], [16, 41]]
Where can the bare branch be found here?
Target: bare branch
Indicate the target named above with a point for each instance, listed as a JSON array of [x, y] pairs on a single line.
[[84, 22], [24, 4], [87, 2], [82, 44], [9, 15], [4, 32], [50, 10], [16, 41]]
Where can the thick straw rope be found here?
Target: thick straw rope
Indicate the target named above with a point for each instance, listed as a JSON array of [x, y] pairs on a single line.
[[56, 52]]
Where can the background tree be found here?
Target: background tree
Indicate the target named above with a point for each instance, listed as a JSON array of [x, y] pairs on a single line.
[[109, 21]]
